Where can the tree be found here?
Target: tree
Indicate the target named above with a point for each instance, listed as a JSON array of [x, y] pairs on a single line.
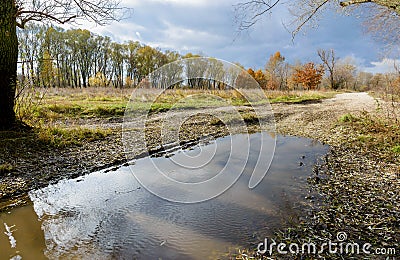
[[214, 73], [132, 49], [377, 82], [328, 58], [309, 75], [364, 80], [259, 76], [148, 60], [383, 17], [345, 76], [8, 62], [47, 71], [51, 56], [15, 13], [29, 52], [276, 71], [195, 70], [245, 80], [251, 72]]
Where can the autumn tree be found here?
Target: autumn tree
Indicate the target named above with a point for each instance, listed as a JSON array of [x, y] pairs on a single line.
[[148, 60], [346, 72], [276, 71], [117, 59], [193, 69], [132, 60], [261, 79], [328, 59], [52, 56], [245, 80], [364, 80], [377, 81], [47, 71], [396, 85], [215, 73], [309, 75], [30, 51], [251, 72], [15, 13]]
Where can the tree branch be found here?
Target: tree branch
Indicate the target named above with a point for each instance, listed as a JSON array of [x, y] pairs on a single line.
[[65, 11], [347, 3], [309, 17], [255, 8], [35, 15], [393, 5]]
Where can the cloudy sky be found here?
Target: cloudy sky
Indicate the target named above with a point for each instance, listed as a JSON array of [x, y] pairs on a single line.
[[208, 27]]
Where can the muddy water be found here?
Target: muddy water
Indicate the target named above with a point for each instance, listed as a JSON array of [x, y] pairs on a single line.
[[109, 215]]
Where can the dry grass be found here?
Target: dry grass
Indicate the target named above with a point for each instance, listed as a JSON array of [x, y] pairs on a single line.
[[59, 115]]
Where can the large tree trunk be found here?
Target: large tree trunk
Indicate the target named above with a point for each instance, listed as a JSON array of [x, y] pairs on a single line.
[[8, 63]]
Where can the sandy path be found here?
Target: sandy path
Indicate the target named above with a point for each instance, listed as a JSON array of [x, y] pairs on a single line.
[[316, 120], [352, 101]]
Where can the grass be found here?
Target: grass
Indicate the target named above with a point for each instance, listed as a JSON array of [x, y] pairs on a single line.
[[79, 110], [60, 105], [62, 137], [44, 136], [296, 97], [389, 97], [373, 132], [347, 118], [396, 149], [250, 118], [5, 168]]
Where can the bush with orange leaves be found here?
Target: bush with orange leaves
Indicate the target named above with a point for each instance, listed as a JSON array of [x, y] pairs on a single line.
[[309, 75]]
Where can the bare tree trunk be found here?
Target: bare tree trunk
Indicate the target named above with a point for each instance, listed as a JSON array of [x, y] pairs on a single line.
[[328, 58], [8, 63]]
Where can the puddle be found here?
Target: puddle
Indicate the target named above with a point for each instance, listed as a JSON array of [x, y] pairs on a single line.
[[108, 214]]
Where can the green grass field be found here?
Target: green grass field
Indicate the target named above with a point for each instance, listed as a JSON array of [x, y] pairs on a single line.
[[59, 116], [58, 104]]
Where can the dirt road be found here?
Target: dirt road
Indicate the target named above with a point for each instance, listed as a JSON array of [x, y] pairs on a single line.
[[316, 120]]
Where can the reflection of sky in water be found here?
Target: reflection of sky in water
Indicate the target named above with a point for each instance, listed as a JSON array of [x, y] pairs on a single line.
[[106, 215]]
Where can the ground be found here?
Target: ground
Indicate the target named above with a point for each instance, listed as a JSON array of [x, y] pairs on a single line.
[[358, 184], [357, 189]]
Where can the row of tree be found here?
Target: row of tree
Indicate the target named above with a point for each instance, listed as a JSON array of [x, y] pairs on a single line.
[[331, 73], [53, 57]]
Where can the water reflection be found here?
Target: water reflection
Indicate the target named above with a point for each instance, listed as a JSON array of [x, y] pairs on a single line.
[[30, 243], [108, 215]]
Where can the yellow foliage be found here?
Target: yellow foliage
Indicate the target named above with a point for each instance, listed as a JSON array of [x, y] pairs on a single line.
[[99, 80], [129, 82]]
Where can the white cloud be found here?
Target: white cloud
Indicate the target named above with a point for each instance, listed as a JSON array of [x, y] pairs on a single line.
[[208, 27], [384, 66], [178, 36]]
